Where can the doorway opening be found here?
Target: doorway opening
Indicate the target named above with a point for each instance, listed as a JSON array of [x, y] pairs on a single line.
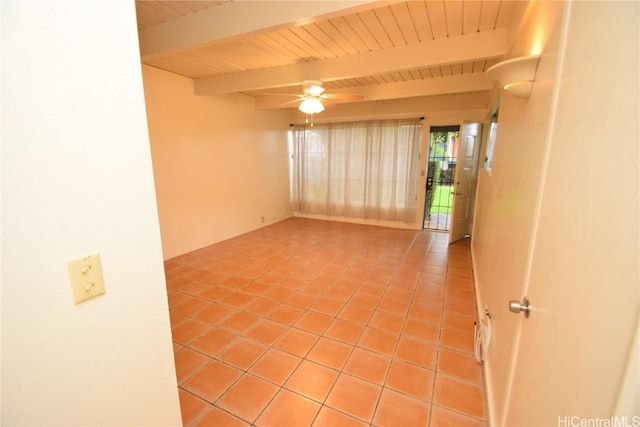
[[444, 143]]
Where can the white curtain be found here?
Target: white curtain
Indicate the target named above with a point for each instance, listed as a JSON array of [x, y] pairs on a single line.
[[363, 169]]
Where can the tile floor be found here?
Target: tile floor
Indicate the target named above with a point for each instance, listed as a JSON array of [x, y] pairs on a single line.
[[318, 323]]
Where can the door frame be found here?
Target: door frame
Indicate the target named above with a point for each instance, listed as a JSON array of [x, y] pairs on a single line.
[[425, 165]]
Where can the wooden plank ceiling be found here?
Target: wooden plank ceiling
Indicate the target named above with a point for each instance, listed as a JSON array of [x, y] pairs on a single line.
[[380, 49]]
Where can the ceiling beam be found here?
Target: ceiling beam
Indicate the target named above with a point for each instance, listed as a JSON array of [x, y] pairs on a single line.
[[238, 19], [453, 50], [470, 106], [429, 87], [409, 89]]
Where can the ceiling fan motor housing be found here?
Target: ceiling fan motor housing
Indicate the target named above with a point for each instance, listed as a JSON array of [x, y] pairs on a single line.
[[312, 87]]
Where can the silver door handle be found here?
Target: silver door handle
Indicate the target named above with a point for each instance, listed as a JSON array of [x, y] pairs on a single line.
[[518, 307]]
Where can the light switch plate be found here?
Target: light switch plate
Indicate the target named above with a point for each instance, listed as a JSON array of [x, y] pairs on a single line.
[[86, 277]]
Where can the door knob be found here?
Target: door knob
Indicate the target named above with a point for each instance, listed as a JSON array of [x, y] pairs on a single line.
[[518, 307]]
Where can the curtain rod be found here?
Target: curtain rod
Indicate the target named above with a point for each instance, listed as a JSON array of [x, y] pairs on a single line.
[[291, 124]]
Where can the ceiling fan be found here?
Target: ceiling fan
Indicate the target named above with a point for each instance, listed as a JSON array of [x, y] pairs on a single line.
[[314, 99]]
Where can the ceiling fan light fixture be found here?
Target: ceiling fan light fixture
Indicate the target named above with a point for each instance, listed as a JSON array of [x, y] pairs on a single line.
[[311, 105]]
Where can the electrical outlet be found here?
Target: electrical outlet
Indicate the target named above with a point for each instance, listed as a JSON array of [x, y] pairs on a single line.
[[86, 277]]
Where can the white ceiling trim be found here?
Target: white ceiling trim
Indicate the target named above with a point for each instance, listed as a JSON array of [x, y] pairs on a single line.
[[237, 19], [465, 48]]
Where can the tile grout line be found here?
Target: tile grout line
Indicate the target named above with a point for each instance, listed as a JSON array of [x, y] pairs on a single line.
[[321, 334]]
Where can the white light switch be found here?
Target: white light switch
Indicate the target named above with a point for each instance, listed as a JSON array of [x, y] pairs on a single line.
[[86, 277]]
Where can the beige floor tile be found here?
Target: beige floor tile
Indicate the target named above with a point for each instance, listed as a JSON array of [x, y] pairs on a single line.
[[387, 322], [192, 407], [461, 365], [216, 417], [213, 342], [214, 313], [425, 331], [459, 395], [378, 341], [368, 365], [344, 331], [266, 331], [275, 366], [328, 417], [289, 409], [212, 381], [442, 417], [189, 362], [286, 314], [188, 331], [242, 353], [411, 379], [312, 380], [418, 352], [355, 397], [297, 342], [313, 322], [397, 409], [239, 322], [324, 323], [457, 339], [247, 397], [331, 353]]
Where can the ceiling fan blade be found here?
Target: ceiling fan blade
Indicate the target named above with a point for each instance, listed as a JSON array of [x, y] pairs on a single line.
[[297, 95], [343, 96], [291, 103]]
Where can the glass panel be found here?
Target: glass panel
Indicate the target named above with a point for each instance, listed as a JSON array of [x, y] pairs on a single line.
[[444, 143]]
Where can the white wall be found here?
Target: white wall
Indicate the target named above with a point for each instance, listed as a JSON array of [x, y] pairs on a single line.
[[219, 164], [509, 214], [507, 195], [76, 177]]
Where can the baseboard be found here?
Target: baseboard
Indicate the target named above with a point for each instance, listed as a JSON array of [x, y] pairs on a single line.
[[362, 221], [486, 370]]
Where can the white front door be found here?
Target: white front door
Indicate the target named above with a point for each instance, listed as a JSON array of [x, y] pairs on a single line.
[[464, 185]]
